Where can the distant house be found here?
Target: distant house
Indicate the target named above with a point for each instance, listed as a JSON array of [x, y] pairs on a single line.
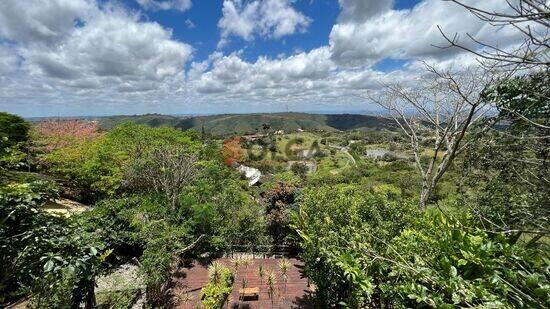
[[253, 137], [280, 132], [382, 154], [253, 175], [376, 153], [300, 130]]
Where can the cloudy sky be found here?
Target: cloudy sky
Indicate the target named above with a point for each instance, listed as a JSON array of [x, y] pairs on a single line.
[[101, 57]]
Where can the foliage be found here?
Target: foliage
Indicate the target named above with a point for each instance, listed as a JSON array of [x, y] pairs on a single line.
[[219, 287], [55, 134], [46, 255], [442, 263], [97, 166], [233, 151], [14, 134], [220, 206], [166, 170], [280, 202], [338, 226], [522, 99], [13, 129], [511, 164], [300, 169], [364, 251]]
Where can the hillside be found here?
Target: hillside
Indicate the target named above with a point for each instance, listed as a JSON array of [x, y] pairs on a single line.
[[252, 123]]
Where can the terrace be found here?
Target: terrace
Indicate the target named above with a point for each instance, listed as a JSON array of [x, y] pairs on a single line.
[[294, 293]]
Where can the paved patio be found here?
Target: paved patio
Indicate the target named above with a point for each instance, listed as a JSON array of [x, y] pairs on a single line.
[[294, 294]]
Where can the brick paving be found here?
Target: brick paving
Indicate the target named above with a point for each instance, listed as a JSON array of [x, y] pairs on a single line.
[[295, 294]]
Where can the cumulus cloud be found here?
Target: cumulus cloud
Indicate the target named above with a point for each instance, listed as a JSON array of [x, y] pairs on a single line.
[[112, 44], [380, 32], [267, 18], [181, 5], [39, 21], [88, 47], [63, 51], [231, 73]]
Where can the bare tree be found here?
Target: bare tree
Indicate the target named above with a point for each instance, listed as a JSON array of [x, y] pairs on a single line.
[[166, 170], [528, 18], [440, 110]]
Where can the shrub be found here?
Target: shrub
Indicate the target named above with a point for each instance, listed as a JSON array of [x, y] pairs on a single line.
[[338, 226], [443, 263], [220, 284]]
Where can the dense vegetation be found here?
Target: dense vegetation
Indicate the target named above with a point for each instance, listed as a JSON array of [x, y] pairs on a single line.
[[160, 195]]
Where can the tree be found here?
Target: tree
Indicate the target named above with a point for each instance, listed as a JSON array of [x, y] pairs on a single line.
[[14, 134], [166, 170], [233, 151], [512, 161], [440, 110], [55, 134], [280, 201], [300, 169], [13, 129]]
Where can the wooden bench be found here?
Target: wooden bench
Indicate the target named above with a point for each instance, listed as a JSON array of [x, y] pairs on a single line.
[[249, 293]]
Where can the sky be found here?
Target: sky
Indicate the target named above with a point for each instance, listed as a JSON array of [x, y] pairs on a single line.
[[106, 57]]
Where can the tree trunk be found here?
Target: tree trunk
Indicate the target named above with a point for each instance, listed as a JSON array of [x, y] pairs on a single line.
[[425, 194]]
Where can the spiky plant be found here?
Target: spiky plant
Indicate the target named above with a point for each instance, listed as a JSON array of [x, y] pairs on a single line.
[[215, 272], [284, 265], [246, 261], [236, 262], [261, 273], [271, 281], [244, 284]]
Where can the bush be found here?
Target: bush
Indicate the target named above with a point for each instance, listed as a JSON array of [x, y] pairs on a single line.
[[443, 263], [49, 257], [338, 226], [216, 292], [13, 129], [300, 169]]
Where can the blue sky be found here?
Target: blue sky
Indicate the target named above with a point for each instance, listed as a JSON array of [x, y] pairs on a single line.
[[205, 34], [101, 57]]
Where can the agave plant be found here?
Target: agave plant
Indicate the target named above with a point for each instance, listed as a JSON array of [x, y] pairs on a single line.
[[215, 272], [236, 262], [271, 283], [261, 273], [284, 265], [246, 261]]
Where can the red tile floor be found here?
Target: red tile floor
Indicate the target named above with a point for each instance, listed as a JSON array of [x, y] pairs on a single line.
[[294, 294]]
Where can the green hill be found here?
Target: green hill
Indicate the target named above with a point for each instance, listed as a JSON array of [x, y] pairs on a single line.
[[252, 123]]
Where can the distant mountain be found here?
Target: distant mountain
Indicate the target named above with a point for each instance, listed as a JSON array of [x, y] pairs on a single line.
[[252, 123]]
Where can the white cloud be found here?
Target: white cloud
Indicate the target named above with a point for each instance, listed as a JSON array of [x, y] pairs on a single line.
[[107, 48], [72, 54], [112, 44], [8, 59], [267, 18], [181, 5], [404, 34], [231, 73], [39, 21]]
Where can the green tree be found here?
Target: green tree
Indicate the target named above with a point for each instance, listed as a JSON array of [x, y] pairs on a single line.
[[13, 129]]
